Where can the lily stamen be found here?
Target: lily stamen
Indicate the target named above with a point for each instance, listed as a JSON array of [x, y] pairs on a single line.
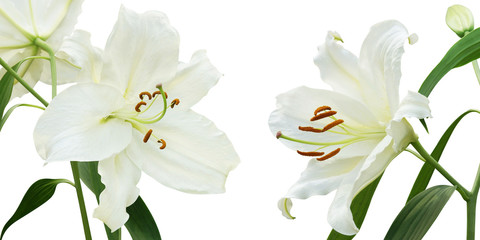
[[310, 129], [147, 135], [145, 94], [332, 124], [310, 154], [137, 107], [320, 109], [329, 155], [323, 115], [175, 101], [164, 144]]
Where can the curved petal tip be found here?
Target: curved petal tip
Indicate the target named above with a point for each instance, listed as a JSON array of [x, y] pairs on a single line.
[[285, 204]]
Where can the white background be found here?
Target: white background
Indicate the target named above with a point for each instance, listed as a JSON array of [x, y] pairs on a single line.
[[263, 48]]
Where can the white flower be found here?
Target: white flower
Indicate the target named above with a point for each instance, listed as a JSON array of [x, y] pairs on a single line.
[[353, 131], [459, 19], [24, 21], [106, 120]]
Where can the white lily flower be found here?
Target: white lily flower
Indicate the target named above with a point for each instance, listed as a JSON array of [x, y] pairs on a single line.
[[353, 131], [123, 121], [24, 21]]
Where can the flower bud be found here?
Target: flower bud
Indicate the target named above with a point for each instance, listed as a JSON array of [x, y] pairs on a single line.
[[459, 19]]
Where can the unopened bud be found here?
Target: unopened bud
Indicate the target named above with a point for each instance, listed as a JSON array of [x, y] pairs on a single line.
[[459, 19]]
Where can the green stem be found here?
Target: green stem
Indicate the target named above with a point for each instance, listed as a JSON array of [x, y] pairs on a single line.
[[476, 69], [463, 191], [81, 202], [53, 65], [471, 207], [21, 81]]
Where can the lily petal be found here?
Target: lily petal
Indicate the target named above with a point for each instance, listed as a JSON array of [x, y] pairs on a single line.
[[55, 19], [120, 177], [339, 67], [285, 204], [414, 105], [339, 215], [193, 80], [77, 52], [402, 133], [141, 52], [381, 56], [76, 127], [197, 157], [322, 177], [15, 24]]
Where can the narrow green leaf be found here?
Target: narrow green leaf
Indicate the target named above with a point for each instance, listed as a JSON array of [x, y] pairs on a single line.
[[427, 170], [424, 124], [6, 87], [419, 214], [140, 224], [462, 52], [38, 194], [359, 209], [9, 112]]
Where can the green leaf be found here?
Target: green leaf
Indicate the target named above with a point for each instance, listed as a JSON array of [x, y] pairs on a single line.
[[359, 209], [6, 87], [419, 214], [462, 52], [38, 194], [140, 224], [427, 170]]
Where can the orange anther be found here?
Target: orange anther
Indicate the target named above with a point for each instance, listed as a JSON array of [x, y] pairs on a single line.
[[329, 155], [322, 108], [310, 154], [137, 108], [147, 135], [164, 144], [310, 129], [175, 101], [323, 115], [145, 94], [332, 124]]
